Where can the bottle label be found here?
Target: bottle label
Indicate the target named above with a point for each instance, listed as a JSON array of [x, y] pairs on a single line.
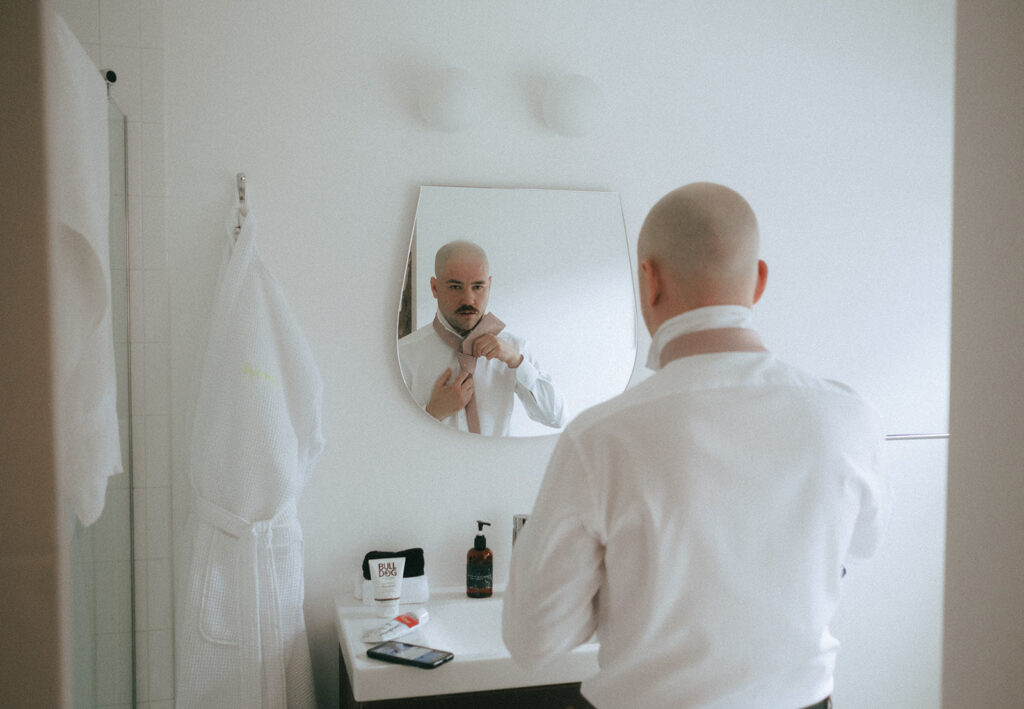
[[478, 577]]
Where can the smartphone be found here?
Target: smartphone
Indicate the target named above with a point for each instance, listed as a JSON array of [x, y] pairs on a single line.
[[405, 654]]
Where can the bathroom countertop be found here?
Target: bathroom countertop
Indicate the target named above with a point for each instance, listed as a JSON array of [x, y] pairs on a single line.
[[468, 627]]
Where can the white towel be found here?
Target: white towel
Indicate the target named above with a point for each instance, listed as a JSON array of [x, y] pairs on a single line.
[[88, 438]]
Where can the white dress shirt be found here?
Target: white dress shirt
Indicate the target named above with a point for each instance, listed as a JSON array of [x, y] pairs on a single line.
[[423, 356], [700, 523]]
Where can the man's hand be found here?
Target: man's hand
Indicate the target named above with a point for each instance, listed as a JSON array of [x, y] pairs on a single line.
[[493, 347], [450, 396]]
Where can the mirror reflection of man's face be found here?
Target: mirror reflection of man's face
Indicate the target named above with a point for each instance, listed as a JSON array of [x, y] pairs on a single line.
[[462, 289]]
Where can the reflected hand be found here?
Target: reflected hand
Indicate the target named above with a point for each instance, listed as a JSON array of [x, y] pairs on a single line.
[[493, 347], [450, 396]]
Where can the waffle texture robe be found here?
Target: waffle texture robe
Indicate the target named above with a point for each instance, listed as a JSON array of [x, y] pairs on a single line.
[[255, 438]]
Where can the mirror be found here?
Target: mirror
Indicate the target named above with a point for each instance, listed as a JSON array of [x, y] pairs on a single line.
[[560, 281]]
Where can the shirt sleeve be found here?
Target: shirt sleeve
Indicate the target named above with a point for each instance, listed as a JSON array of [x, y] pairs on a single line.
[[865, 446], [537, 392], [556, 568], [875, 508]]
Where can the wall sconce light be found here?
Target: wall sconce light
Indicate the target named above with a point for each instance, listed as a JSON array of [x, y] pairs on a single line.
[[451, 100], [573, 104]]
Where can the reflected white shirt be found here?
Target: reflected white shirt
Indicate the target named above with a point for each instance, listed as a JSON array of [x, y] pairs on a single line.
[[423, 356], [699, 523]]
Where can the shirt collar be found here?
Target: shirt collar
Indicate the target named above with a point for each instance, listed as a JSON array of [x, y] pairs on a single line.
[[447, 326], [709, 318]]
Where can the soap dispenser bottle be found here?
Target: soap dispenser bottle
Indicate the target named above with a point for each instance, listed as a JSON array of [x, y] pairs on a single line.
[[479, 566]]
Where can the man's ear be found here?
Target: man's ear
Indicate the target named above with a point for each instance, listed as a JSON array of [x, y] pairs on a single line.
[[762, 280], [433, 286], [652, 282]]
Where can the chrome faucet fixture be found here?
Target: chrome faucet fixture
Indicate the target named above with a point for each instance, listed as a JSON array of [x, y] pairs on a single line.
[[518, 522]]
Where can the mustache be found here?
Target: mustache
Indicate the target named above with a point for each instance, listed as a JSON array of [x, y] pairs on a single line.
[[467, 310]]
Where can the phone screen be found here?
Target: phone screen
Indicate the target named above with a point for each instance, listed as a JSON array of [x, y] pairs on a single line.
[[407, 654]]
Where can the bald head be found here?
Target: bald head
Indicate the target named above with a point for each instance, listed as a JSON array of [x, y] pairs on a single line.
[[700, 243], [461, 250]]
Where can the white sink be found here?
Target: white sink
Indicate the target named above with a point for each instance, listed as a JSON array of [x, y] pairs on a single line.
[[468, 627]]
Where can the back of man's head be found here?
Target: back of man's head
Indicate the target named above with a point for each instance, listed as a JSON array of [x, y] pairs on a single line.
[[703, 241]]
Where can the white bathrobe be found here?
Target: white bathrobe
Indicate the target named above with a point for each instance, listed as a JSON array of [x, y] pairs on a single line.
[[255, 438]]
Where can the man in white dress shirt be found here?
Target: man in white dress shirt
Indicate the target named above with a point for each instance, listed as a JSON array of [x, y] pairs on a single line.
[[464, 368], [700, 523]]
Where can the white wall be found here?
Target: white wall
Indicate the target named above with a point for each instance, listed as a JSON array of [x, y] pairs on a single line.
[[835, 120]]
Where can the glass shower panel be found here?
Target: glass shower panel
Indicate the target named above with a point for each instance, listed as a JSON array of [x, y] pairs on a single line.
[[102, 585]]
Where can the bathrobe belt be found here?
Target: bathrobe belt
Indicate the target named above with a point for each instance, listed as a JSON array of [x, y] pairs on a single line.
[[260, 640]]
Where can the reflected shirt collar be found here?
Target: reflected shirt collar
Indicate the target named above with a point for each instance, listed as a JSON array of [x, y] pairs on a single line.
[[709, 318], [447, 326]]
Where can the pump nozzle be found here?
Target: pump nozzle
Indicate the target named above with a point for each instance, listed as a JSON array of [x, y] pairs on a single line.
[[480, 542]]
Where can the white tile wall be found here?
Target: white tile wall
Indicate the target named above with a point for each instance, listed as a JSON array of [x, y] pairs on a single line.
[[127, 36]]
